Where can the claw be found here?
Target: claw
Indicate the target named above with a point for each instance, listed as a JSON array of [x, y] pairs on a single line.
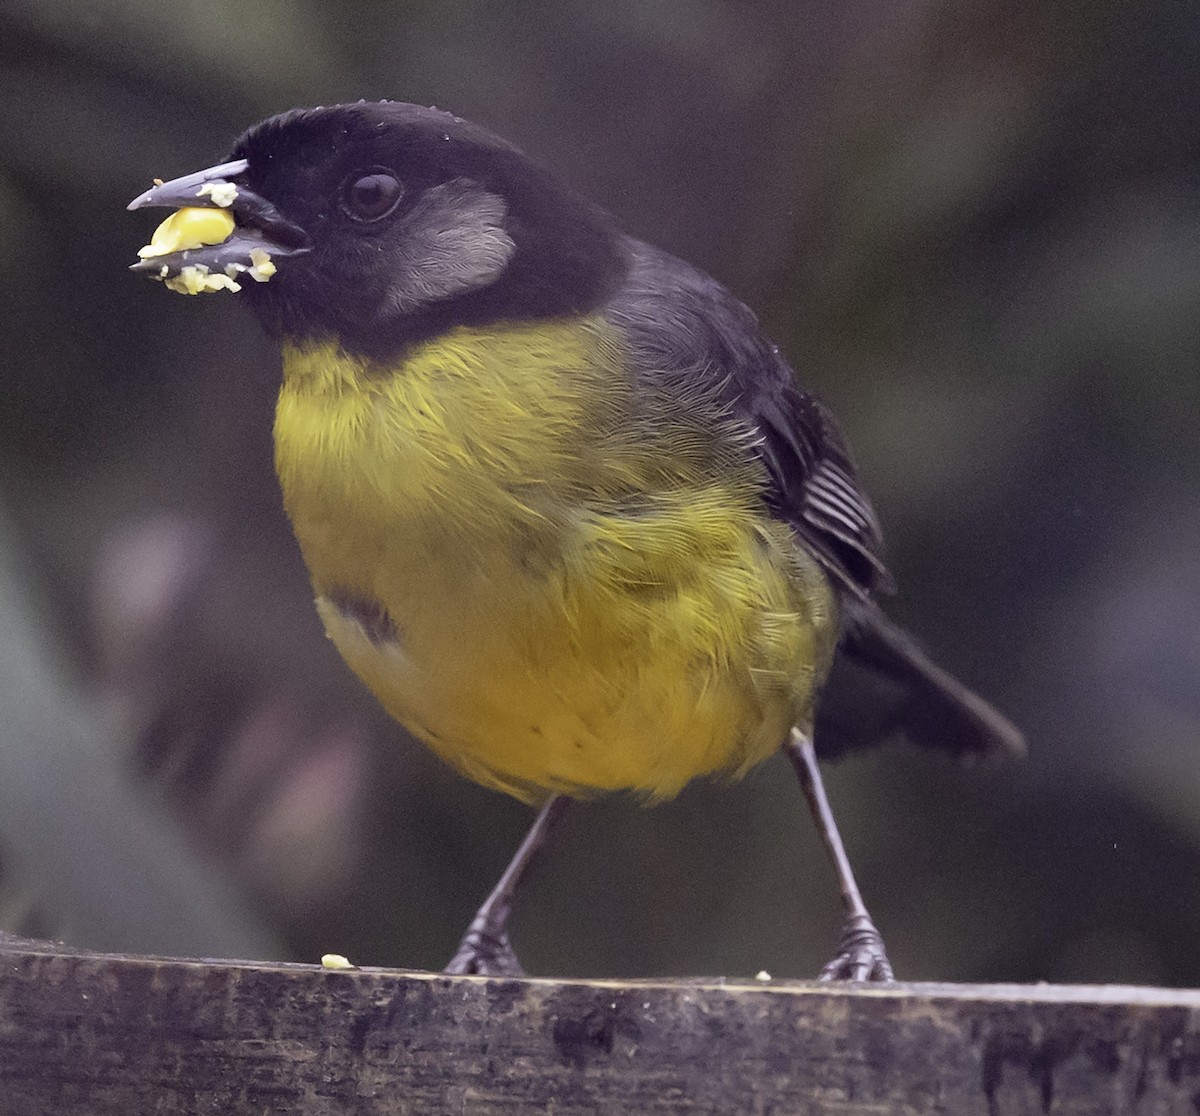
[[484, 954], [861, 955]]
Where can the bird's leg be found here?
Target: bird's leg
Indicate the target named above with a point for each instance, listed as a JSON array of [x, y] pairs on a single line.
[[861, 955], [485, 948]]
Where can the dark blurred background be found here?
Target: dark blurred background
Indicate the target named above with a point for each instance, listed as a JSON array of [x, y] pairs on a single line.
[[974, 227]]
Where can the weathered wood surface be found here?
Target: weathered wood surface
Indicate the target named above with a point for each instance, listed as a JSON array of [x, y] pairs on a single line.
[[98, 1034]]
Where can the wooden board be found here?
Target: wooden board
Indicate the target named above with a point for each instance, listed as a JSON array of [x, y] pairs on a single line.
[[127, 1036]]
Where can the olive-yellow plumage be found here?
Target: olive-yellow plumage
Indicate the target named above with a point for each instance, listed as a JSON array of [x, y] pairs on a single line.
[[545, 638]]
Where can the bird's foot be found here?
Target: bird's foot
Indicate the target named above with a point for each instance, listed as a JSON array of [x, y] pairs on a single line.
[[861, 955], [484, 953]]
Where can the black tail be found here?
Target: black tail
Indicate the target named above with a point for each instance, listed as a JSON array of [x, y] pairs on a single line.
[[883, 686]]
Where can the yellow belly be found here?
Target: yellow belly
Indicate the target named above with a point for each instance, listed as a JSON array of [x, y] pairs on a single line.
[[565, 611]]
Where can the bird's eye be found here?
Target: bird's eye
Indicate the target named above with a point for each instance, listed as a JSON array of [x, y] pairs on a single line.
[[371, 197]]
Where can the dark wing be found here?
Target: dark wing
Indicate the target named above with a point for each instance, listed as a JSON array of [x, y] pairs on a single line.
[[882, 685], [699, 342], [814, 483]]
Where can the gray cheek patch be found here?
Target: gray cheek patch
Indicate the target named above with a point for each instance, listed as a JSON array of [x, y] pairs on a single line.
[[452, 241]]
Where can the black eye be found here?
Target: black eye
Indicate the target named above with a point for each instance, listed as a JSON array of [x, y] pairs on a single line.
[[371, 197]]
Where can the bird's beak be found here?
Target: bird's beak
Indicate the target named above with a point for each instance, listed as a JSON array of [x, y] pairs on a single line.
[[220, 233]]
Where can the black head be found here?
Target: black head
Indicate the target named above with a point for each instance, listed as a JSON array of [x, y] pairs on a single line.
[[414, 221]]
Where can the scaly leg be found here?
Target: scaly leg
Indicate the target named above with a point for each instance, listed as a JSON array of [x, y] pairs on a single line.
[[861, 955], [485, 948]]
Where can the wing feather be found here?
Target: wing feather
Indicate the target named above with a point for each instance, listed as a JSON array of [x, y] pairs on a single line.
[[699, 342]]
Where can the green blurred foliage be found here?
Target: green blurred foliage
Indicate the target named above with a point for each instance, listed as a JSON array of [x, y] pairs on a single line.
[[975, 229]]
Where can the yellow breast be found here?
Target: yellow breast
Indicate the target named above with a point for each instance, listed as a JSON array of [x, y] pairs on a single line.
[[551, 585]]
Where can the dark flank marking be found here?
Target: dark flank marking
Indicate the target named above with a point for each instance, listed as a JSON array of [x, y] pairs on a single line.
[[368, 613]]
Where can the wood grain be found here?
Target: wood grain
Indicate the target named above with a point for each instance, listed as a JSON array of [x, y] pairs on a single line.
[[103, 1034]]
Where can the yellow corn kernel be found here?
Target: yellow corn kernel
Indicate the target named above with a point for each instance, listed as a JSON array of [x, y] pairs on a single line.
[[336, 961], [192, 227], [196, 279]]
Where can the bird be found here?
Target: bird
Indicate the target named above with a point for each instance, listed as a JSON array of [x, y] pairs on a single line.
[[567, 512]]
